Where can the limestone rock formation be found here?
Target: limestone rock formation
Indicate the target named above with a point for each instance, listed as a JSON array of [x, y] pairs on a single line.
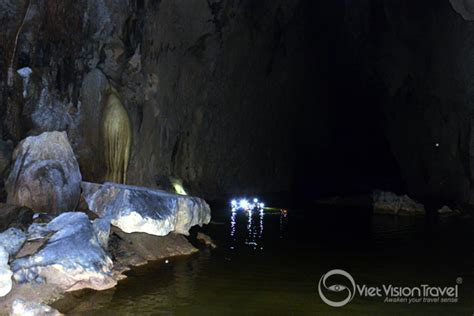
[[206, 240], [5, 273], [45, 175], [117, 138], [176, 64], [72, 258], [22, 307], [446, 211], [12, 240], [390, 203], [135, 249], [137, 209]]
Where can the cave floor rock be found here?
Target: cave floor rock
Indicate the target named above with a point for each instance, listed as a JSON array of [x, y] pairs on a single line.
[[382, 202], [137, 209], [45, 269]]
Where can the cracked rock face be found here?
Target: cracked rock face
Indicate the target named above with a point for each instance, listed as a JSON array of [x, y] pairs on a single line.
[[137, 209], [72, 257], [45, 175]]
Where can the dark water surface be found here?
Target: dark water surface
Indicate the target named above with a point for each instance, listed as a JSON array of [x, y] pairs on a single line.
[[269, 264]]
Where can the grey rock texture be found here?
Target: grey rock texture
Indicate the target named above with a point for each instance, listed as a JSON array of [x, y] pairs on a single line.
[[71, 259], [6, 282], [199, 79], [102, 230], [137, 209], [446, 211], [45, 175], [21, 307], [12, 240], [390, 203]]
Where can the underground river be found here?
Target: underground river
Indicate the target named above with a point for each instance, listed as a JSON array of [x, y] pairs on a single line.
[[273, 262]]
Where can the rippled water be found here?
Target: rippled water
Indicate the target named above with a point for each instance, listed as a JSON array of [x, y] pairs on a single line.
[[270, 264]]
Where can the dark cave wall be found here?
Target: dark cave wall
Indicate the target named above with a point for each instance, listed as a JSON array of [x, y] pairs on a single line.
[[394, 109], [212, 87], [235, 96], [415, 59]]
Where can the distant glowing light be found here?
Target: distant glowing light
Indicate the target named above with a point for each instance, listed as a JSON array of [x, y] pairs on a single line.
[[178, 187], [244, 204], [437, 144]]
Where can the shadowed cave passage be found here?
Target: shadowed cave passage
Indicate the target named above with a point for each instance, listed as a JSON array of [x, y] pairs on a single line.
[[341, 145]]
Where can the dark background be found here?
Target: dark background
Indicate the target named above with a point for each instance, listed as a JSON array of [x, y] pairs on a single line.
[[306, 98]]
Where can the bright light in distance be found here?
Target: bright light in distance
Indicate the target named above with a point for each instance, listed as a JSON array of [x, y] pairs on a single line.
[[244, 204]]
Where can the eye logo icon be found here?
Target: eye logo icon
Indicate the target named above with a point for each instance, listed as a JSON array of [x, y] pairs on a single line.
[[322, 285]]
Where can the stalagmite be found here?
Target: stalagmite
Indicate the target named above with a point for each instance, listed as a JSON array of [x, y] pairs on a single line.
[[117, 138]]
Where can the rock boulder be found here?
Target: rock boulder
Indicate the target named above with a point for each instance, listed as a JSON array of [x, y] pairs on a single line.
[[12, 240], [390, 203], [21, 307], [136, 249], [137, 209], [72, 258], [5, 273], [45, 175]]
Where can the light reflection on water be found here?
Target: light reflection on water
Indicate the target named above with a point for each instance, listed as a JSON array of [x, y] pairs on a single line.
[[254, 227], [270, 264]]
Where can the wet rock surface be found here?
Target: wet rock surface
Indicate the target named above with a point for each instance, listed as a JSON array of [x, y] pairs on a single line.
[[45, 175], [73, 252], [206, 240], [71, 259], [137, 209], [136, 249]]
